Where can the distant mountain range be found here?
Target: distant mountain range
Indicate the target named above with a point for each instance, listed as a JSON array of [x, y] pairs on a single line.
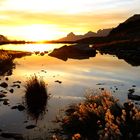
[[72, 37], [130, 28]]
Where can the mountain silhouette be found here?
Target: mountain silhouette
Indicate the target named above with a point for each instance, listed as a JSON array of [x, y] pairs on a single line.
[[129, 29], [123, 41], [3, 38], [72, 37]]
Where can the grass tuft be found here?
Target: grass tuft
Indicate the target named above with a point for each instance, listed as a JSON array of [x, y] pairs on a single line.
[[36, 96]]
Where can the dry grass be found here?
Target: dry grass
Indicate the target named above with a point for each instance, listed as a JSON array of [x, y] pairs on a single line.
[[4, 56], [101, 117], [36, 96]]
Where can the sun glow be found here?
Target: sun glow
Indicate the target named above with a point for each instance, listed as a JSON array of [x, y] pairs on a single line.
[[38, 32], [53, 19]]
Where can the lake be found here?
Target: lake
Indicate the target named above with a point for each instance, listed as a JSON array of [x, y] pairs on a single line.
[[78, 77]]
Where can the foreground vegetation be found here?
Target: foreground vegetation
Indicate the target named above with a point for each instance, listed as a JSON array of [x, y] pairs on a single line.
[[36, 97], [101, 117]]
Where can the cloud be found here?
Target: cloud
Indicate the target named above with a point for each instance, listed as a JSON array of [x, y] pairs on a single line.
[[66, 15], [66, 6], [93, 21]]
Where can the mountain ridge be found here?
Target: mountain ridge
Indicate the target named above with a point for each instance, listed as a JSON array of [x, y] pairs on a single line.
[[72, 37], [129, 28]]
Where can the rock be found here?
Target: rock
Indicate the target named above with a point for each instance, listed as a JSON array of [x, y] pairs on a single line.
[[14, 107], [37, 52], [133, 85], [57, 81], [4, 85], [3, 91], [131, 91], [30, 126], [45, 52], [2, 95], [11, 90], [16, 85], [44, 71], [19, 82], [102, 88], [6, 102], [6, 78], [133, 97], [20, 107], [100, 84], [15, 136], [42, 53]]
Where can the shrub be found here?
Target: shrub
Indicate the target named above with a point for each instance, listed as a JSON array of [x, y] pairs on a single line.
[[101, 117]]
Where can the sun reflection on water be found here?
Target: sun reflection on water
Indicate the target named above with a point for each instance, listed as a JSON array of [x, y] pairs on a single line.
[[31, 47]]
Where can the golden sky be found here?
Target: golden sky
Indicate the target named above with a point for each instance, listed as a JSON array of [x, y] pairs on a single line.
[[53, 19]]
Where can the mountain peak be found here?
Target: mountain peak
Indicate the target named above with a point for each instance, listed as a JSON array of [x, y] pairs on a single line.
[[3, 38], [72, 37], [90, 34], [71, 34]]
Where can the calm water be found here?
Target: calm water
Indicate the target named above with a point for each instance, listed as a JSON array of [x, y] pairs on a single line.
[[77, 76]]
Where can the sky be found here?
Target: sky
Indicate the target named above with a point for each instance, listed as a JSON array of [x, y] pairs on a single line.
[[53, 19]]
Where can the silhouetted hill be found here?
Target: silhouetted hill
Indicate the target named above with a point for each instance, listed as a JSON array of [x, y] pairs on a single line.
[[129, 29], [3, 38], [123, 41], [72, 37]]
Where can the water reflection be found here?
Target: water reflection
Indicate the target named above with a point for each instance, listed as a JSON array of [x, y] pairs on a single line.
[[36, 107], [31, 47], [132, 59], [6, 67], [76, 77], [7, 61]]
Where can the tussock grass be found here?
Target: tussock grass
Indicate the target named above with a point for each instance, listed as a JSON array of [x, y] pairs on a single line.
[[37, 86], [36, 96], [101, 117], [4, 56]]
